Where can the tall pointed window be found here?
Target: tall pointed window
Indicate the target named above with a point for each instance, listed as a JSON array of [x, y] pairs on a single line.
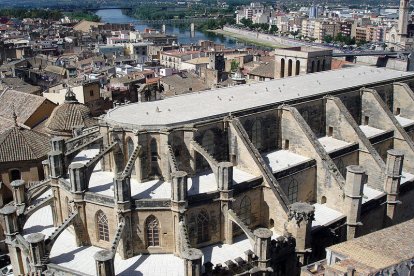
[[202, 227], [257, 134], [154, 150], [152, 231], [103, 229], [245, 210], [293, 191]]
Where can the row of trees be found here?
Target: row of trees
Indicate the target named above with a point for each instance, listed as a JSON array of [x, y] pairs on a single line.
[[259, 26], [343, 39], [31, 13], [214, 24], [83, 15], [46, 14]]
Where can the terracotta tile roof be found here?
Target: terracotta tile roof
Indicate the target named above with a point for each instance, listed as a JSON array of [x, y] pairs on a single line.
[[86, 26], [24, 104], [55, 70], [266, 70], [20, 144], [67, 116], [379, 250]]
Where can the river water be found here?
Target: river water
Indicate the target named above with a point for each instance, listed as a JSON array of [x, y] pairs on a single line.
[[183, 34]]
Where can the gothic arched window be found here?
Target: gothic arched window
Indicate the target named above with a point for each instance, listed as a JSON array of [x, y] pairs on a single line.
[[245, 210], [154, 150], [202, 227], [152, 231], [257, 134], [293, 190], [103, 229]]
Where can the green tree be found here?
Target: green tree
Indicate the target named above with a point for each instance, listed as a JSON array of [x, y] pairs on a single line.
[[246, 22], [328, 38], [273, 29], [234, 65], [295, 33]]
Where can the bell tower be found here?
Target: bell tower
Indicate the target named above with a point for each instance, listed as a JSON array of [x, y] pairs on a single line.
[[403, 18]]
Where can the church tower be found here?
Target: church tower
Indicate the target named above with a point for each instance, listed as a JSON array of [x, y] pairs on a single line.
[[403, 18]]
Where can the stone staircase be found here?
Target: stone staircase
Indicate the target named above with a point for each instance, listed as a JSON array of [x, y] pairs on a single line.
[[39, 204], [235, 218], [118, 235], [185, 241], [171, 159], [37, 189], [130, 164], [52, 238]]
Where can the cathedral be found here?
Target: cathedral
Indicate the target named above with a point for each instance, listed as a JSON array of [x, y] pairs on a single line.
[[402, 37], [255, 179]]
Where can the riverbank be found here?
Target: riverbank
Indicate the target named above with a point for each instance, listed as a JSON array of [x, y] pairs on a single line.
[[247, 40], [261, 38]]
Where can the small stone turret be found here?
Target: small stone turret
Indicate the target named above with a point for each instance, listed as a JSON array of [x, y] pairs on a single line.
[[104, 260], [192, 262], [262, 237], [11, 227], [355, 179], [58, 144], [300, 218], [77, 175], [18, 192], [395, 159], [37, 251], [225, 176], [122, 188], [179, 187], [56, 164]]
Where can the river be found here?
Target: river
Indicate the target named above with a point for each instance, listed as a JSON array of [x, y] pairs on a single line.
[[183, 34]]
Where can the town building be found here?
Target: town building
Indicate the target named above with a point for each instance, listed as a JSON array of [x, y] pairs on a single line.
[[301, 60], [388, 251]]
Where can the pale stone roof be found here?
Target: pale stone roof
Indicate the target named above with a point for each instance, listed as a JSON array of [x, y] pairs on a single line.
[[220, 102], [381, 249]]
